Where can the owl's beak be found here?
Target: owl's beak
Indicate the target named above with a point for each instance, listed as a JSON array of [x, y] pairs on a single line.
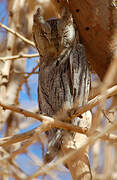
[[55, 43], [56, 46]]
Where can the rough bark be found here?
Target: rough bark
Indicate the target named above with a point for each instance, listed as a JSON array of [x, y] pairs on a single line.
[[97, 23]]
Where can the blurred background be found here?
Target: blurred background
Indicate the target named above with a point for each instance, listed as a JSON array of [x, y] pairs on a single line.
[[18, 86]]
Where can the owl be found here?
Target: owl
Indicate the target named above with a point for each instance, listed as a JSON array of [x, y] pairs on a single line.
[[64, 74]]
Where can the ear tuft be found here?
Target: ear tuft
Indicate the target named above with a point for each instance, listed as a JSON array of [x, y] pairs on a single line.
[[38, 16], [66, 13]]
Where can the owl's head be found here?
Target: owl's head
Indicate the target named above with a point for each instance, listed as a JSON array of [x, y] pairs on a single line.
[[52, 36]]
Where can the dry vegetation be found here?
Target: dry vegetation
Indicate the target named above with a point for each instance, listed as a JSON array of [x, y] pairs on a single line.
[[15, 43]]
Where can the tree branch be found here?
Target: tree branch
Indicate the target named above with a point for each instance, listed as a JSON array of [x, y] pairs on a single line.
[[19, 56], [106, 94], [90, 141], [18, 35], [93, 102]]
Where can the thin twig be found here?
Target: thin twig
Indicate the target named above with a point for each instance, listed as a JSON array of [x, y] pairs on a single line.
[[55, 123], [90, 141], [24, 73], [25, 79], [50, 122], [93, 102], [4, 142], [33, 71], [45, 126], [107, 94], [18, 35], [38, 162], [19, 56]]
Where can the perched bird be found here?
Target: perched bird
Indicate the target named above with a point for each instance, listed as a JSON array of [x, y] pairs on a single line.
[[64, 73]]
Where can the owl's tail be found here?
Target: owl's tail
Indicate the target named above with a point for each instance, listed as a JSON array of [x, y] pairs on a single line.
[[54, 145]]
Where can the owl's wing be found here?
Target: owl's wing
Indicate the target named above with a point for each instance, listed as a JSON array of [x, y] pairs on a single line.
[[80, 75]]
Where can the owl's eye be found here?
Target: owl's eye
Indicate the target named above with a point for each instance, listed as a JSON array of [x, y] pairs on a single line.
[[42, 34], [45, 33]]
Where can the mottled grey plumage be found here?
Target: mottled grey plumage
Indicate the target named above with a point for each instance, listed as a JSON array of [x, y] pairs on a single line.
[[64, 73]]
